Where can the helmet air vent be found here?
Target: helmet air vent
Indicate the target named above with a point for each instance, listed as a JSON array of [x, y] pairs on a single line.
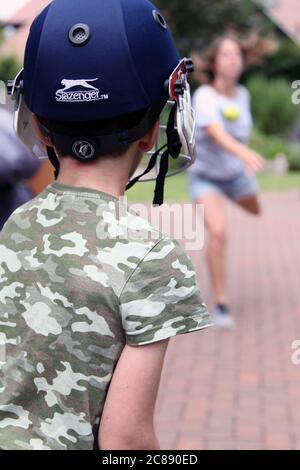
[[79, 34]]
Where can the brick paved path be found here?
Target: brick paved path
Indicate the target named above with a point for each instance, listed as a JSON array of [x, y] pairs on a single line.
[[239, 389]]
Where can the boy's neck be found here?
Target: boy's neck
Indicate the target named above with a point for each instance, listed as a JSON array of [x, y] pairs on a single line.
[[108, 176], [87, 183]]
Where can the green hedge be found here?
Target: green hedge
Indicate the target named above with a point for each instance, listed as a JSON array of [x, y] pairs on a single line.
[[285, 63], [270, 146], [272, 105], [9, 67], [294, 157]]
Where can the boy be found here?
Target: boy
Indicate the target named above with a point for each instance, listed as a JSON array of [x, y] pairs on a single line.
[[88, 298]]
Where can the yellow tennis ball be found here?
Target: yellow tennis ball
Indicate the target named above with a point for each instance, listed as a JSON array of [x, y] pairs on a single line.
[[232, 113]]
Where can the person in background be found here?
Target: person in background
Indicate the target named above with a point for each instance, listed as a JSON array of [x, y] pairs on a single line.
[[16, 165], [225, 165]]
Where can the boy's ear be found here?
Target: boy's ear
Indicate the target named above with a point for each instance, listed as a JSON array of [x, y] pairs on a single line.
[[148, 141], [41, 135]]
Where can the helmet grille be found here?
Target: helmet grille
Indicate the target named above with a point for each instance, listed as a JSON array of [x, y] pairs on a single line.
[[79, 35]]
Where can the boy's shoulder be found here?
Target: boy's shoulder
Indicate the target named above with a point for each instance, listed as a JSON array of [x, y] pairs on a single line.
[[102, 219], [137, 246], [80, 232]]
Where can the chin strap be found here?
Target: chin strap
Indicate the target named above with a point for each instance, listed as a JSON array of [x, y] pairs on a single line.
[[54, 161], [172, 148]]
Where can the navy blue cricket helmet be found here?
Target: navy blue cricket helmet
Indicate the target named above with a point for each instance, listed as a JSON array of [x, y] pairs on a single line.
[[91, 60], [95, 59]]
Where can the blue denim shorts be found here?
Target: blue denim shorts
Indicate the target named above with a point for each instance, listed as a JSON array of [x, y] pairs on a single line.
[[241, 186]]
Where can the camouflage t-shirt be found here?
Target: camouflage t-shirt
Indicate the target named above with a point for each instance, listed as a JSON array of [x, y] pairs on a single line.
[[81, 276]]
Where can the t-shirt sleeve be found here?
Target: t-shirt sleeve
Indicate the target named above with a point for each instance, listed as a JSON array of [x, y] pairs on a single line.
[[206, 105], [161, 298], [246, 94]]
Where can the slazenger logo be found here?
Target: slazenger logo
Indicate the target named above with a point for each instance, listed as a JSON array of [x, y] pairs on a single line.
[[88, 93]]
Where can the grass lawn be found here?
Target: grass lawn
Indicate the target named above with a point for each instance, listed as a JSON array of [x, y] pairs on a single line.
[[176, 187]]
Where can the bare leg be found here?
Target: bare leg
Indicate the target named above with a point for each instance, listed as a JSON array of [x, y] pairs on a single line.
[[216, 249], [250, 204]]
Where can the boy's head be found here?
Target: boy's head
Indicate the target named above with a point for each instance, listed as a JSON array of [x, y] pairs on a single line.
[[96, 76], [53, 133], [126, 159]]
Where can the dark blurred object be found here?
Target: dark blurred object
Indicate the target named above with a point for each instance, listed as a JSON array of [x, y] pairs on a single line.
[[285, 62], [16, 165], [195, 23]]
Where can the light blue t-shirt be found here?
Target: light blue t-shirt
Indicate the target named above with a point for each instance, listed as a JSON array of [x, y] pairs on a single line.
[[235, 115]]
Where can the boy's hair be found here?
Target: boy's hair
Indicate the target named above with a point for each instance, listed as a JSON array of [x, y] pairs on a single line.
[[92, 128]]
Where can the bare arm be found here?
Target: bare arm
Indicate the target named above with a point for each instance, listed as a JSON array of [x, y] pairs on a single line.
[[127, 418], [221, 137]]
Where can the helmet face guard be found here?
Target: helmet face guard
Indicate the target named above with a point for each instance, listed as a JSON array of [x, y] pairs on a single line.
[[179, 90], [179, 129], [23, 118], [185, 124]]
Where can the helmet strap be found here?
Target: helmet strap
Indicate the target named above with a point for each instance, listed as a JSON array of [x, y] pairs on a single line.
[[54, 161], [172, 148]]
